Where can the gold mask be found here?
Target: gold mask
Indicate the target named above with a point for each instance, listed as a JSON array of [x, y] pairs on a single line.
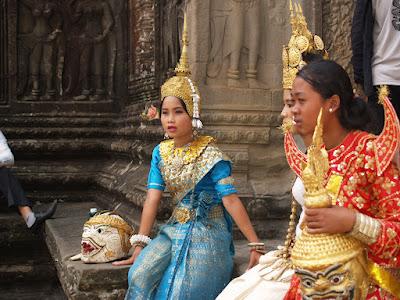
[[345, 281]]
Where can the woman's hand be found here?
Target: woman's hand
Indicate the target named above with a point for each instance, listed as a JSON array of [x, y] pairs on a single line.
[[332, 220], [254, 257], [131, 259]]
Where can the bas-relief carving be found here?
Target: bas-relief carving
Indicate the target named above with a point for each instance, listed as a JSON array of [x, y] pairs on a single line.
[[241, 32], [3, 53], [171, 34], [67, 49], [145, 39], [240, 118], [235, 29], [41, 50], [241, 136], [98, 49], [336, 20]]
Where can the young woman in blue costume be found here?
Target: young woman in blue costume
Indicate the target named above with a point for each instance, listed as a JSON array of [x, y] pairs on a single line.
[[192, 256]]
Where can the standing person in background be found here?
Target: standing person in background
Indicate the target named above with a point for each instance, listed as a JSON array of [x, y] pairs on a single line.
[[11, 190], [376, 52]]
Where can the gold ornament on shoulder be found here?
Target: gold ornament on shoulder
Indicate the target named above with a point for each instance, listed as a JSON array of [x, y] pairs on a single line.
[[319, 43]]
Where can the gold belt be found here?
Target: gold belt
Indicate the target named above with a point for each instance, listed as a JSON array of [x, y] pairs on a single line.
[[184, 215]]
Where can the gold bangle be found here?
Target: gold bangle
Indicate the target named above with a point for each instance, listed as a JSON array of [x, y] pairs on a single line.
[[366, 229], [139, 244], [255, 244]]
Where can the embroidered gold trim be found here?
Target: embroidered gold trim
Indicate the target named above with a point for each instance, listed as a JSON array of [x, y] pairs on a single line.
[[179, 180], [183, 155], [384, 278], [226, 180], [184, 215]]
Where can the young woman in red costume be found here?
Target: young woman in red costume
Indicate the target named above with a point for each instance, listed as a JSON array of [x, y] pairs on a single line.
[[368, 200]]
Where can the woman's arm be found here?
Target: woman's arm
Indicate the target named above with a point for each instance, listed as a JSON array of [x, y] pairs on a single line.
[[239, 214], [148, 217]]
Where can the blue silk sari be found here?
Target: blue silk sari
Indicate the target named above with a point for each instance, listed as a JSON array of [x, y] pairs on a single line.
[[192, 259]]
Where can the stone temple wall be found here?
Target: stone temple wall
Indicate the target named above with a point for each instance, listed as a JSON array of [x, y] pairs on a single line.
[[70, 107], [336, 30]]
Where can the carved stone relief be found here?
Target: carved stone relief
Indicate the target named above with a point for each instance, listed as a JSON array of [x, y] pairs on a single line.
[[235, 33], [41, 54], [171, 16], [3, 53], [336, 26], [97, 58], [142, 82], [67, 49], [244, 42]]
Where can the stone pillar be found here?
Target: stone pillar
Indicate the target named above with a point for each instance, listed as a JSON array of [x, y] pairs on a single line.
[[8, 18]]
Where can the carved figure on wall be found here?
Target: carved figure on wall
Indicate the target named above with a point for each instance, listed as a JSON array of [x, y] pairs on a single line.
[[236, 29], [172, 24], [43, 48], [98, 49]]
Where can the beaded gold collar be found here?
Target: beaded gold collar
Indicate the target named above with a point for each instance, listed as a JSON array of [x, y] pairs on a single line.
[[179, 156]]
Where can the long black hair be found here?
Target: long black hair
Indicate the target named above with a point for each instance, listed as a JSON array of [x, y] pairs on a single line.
[[328, 78]]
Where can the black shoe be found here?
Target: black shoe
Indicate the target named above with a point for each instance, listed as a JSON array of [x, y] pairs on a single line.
[[43, 216]]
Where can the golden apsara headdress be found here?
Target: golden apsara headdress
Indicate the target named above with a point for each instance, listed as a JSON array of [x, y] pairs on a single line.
[[302, 41], [181, 86]]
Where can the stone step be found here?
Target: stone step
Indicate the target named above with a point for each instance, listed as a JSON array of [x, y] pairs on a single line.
[[48, 290], [26, 268], [99, 281]]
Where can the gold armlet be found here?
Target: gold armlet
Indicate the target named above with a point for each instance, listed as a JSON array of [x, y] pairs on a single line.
[[366, 229]]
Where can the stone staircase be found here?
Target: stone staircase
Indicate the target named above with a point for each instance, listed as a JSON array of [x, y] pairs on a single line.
[[27, 271]]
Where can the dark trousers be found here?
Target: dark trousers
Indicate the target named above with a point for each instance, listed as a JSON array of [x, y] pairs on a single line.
[[11, 190], [377, 109]]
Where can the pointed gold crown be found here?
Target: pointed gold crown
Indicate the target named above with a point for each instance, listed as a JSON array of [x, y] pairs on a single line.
[[302, 41], [316, 251], [180, 85]]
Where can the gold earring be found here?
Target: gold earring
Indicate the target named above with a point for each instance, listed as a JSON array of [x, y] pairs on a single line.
[[166, 136]]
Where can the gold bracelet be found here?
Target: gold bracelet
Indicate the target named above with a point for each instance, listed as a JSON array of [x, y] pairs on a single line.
[[366, 229], [139, 244]]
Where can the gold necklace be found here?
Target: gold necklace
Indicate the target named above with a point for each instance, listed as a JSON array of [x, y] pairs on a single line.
[[176, 157]]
